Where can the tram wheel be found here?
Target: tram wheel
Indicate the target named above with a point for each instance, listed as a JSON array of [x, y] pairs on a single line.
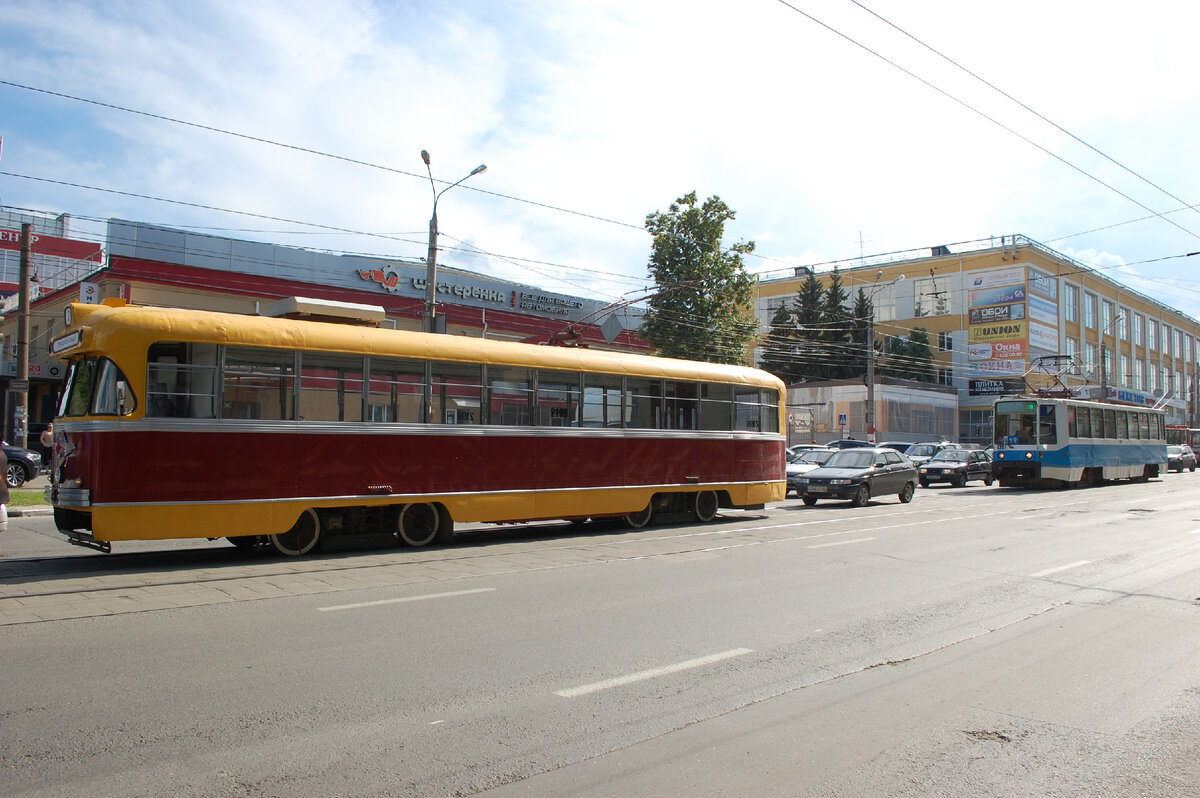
[[641, 519], [302, 538], [418, 524], [249, 542], [705, 506]]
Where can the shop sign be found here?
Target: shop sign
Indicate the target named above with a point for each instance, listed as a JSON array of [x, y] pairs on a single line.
[[1043, 310], [997, 367], [1043, 284], [1009, 331], [994, 277], [995, 313], [994, 387], [996, 296], [997, 350], [1043, 337]]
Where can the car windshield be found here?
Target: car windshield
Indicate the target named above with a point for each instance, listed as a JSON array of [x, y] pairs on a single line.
[[951, 455], [813, 456], [1175, 450], [920, 450], [851, 458]]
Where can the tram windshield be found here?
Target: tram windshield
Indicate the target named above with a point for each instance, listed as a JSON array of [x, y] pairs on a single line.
[[95, 386], [1016, 424]]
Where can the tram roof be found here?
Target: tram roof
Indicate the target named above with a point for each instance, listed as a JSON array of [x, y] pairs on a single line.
[[131, 329]]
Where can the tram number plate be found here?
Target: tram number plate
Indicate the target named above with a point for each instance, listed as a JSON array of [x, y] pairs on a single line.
[[817, 489]]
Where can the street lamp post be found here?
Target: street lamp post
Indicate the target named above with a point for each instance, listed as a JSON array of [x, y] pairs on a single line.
[[431, 255], [869, 414]]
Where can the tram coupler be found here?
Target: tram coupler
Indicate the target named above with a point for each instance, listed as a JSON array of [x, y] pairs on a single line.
[[77, 538]]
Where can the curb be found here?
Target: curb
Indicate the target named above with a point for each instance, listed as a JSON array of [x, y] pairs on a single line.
[[24, 512]]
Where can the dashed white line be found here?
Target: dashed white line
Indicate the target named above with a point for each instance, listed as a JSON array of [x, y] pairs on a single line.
[[426, 597], [839, 543], [640, 676], [1066, 567]]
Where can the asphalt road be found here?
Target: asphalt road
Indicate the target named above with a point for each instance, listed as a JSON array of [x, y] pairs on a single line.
[[978, 641]]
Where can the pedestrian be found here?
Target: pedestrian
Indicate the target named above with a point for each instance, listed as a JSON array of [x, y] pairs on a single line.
[[47, 438]]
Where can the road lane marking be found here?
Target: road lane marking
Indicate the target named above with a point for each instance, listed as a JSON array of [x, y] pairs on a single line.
[[1068, 566], [640, 676], [425, 597], [839, 543]]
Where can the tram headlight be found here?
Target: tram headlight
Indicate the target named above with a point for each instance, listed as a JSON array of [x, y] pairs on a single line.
[[1028, 455]]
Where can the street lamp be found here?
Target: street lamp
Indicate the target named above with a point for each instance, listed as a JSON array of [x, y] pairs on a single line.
[[869, 415], [431, 256]]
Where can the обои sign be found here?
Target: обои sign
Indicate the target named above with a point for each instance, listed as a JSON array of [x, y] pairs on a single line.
[[994, 313]]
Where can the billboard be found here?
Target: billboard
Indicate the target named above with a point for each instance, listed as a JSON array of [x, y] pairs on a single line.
[[1043, 337], [997, 350], [994, 387], [1004, 331], [1016, 367], [996, 296], [1043, 284], [1012, 276], [992, 313], [1043, 310]]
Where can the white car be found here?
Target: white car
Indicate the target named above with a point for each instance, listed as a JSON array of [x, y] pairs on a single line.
[[804, 461]]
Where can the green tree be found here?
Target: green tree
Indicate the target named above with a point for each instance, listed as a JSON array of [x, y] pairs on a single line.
[[909, 357], [836, 324], [780, 349], [701, 309]]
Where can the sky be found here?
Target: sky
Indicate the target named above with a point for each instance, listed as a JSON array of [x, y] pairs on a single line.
[[835, 129]]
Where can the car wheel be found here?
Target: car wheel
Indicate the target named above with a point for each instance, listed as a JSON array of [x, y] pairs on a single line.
[[862, 496], [988, 481], [14, 475], [907, 494], [809, 501]]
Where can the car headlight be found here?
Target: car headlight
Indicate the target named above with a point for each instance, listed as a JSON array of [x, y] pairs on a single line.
[[841, 482]]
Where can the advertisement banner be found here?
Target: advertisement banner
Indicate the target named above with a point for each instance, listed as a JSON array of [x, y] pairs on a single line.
[[1011, 276], [1043, 337], [996, 296], [987, 315], [1043, 310], [1016, 367], [1043, 284], [994, 387], [1009, 331], [997, 350]]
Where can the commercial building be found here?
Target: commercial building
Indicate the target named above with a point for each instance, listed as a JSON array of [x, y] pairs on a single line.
[[1005, 316], [148, 264]]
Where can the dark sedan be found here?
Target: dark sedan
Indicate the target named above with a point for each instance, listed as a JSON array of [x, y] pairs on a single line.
[[957, 466], [858, 474], [23, 465]]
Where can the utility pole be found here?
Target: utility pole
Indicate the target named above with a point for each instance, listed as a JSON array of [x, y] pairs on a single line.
[[20, 386]]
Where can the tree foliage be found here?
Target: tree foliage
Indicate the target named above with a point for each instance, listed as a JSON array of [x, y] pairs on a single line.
[[701, 310]]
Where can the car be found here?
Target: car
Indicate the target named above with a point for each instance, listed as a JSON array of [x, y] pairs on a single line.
[[804, 461], [921, 452], [1181, 457], [858, 474], [848, 443], [23, 465], [957, 466], [900, 446], [803, 447]]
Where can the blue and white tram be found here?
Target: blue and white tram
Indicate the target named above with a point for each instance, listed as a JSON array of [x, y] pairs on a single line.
[[1043, 441]]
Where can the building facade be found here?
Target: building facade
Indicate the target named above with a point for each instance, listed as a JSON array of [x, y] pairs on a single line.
[[1010, 315]]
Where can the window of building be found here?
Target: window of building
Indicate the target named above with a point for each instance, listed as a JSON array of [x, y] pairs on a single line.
[[945, 342], [1151, 334], [1139, 375], [930, 297], [1089, 311], [1106, 316], [1139, 329], [1070, 302], [1123, 325], [1165, 346], [1072, 350], [1089, 361], [1124, 377], [945, 376]]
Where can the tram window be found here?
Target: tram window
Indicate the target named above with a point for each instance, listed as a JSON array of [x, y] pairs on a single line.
[[510, 395], [78, 394], [1084, 422], [1123, 425], [557, 399], [1097, 423], [681, 405], [1047, 424], [331, 387], [602, 401], [1144, 423], [1072, 429], [181, 380], [457, 394], [644, 396], [770, 410], [111, 396], [1110, 423], [748, 411], [258, 384], [396, 391], [716, 411]]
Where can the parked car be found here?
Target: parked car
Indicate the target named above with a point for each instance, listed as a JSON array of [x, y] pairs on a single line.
[[858, 474], [23, 465], [802, 462], [900, 446], [849, 443], [1181, 457], [921, 452], [957, 466], [803, 447]]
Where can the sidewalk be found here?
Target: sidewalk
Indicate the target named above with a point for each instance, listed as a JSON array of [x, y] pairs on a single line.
[[37, 483]]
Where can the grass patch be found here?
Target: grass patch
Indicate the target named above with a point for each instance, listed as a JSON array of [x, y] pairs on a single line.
[[31, 497]]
